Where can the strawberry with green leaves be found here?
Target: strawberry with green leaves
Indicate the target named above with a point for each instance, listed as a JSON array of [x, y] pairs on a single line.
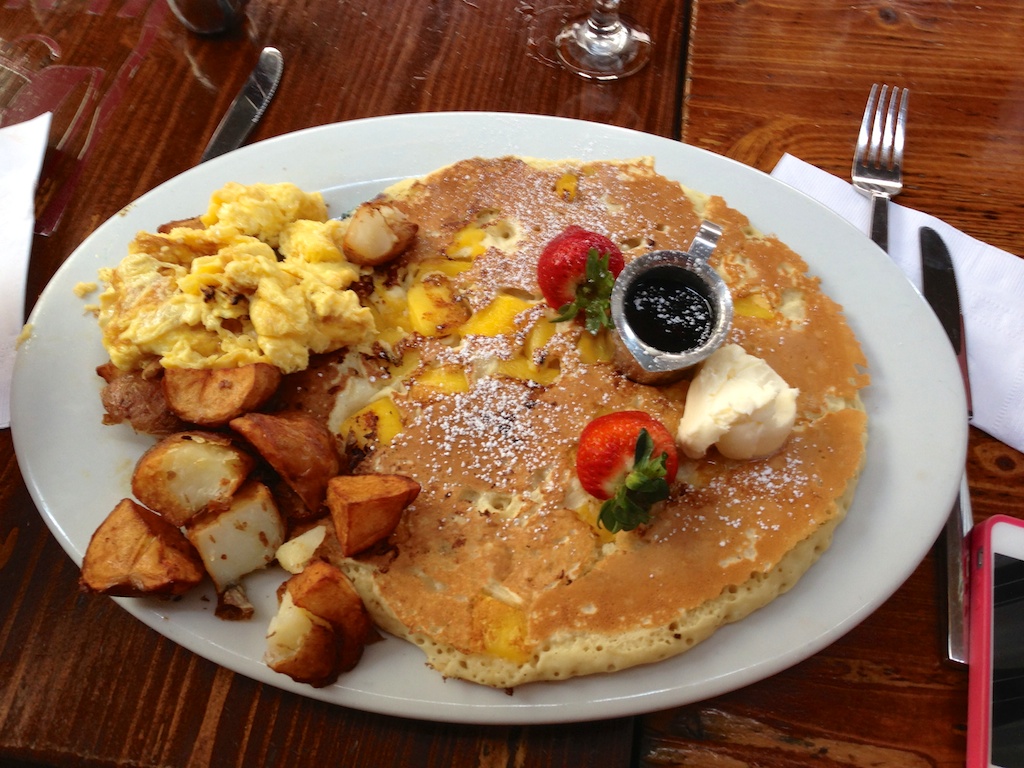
[[576, 271], [627, 459]]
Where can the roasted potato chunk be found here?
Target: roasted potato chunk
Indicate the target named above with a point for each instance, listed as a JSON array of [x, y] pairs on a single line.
[[376, 234], [301, 645], [323, 590], [297, 553], [136, 552], [320, 594], [213, 397], [308, 541], [239, 539], [188, 472], [289, 503], [366, 508], [298, 447]]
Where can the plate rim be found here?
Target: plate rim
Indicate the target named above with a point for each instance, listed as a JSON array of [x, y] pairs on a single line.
[[591, 704]]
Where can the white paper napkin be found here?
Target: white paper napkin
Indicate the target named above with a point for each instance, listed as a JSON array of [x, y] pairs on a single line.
[[22, 147], [990, 283]]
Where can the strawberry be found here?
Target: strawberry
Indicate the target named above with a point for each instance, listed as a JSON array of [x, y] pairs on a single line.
[[576, 271], [627, 459]]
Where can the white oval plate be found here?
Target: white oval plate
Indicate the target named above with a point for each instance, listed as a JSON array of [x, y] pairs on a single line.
[[77, 469]]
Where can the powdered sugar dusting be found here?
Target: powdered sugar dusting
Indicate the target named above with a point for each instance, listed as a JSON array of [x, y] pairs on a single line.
[[493, 434]]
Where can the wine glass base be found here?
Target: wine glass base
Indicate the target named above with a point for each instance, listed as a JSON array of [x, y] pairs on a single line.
[[603, 57]]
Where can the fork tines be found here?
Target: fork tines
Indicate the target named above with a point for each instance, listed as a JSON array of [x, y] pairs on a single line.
[[881, 138]]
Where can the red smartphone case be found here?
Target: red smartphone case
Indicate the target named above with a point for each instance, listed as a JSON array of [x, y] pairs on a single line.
[[979, 705]]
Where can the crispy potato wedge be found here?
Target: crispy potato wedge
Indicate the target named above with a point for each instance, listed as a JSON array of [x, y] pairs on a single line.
[[310, 540], [136, 397], [289, 503], [239, 539], [136, 552], [298, 447], [325, 591], [189, 471], [318, 595], [213, 397], [298, 551], [301, 645], [376, 233], [366, 508]]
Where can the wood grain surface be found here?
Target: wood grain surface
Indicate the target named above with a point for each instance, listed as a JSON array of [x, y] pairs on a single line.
[[82, 683]]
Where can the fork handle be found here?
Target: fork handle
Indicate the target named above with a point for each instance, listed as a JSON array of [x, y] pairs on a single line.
[[880, 220]]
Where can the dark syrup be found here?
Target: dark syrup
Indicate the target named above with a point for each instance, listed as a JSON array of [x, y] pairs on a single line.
[[667, 310]]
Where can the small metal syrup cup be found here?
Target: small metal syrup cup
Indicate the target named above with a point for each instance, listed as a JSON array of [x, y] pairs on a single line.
[[634, 356]]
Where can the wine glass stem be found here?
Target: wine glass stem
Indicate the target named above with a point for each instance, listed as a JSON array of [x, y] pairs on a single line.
[[603, 45], [604, 20]]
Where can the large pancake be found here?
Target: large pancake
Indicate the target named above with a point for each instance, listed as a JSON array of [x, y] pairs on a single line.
[[496, 570]]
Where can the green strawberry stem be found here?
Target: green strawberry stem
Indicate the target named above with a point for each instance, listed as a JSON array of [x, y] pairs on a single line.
[[593, 295], [644, 486]]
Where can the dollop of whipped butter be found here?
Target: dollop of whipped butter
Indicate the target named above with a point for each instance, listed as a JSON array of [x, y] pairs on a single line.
[[739, 403]]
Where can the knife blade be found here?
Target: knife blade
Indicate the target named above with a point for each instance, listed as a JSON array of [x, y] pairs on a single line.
[[249, 105], [938, 283]]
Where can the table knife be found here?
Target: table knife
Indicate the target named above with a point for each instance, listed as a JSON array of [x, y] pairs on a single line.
[[938, 283], [248, 107]]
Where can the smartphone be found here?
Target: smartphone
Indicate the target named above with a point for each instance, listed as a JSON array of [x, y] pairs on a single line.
[[995, 717]]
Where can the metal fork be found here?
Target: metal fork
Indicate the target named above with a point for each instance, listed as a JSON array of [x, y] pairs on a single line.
[[878, 160]]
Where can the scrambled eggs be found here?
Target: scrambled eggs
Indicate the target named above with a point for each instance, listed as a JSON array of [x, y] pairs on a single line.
[[265, 281]]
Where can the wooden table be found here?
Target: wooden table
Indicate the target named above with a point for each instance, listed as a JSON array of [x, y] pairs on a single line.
[[83, 683]]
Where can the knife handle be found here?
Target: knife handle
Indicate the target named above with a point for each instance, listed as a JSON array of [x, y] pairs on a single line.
[[957, 527], [880, 220]]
